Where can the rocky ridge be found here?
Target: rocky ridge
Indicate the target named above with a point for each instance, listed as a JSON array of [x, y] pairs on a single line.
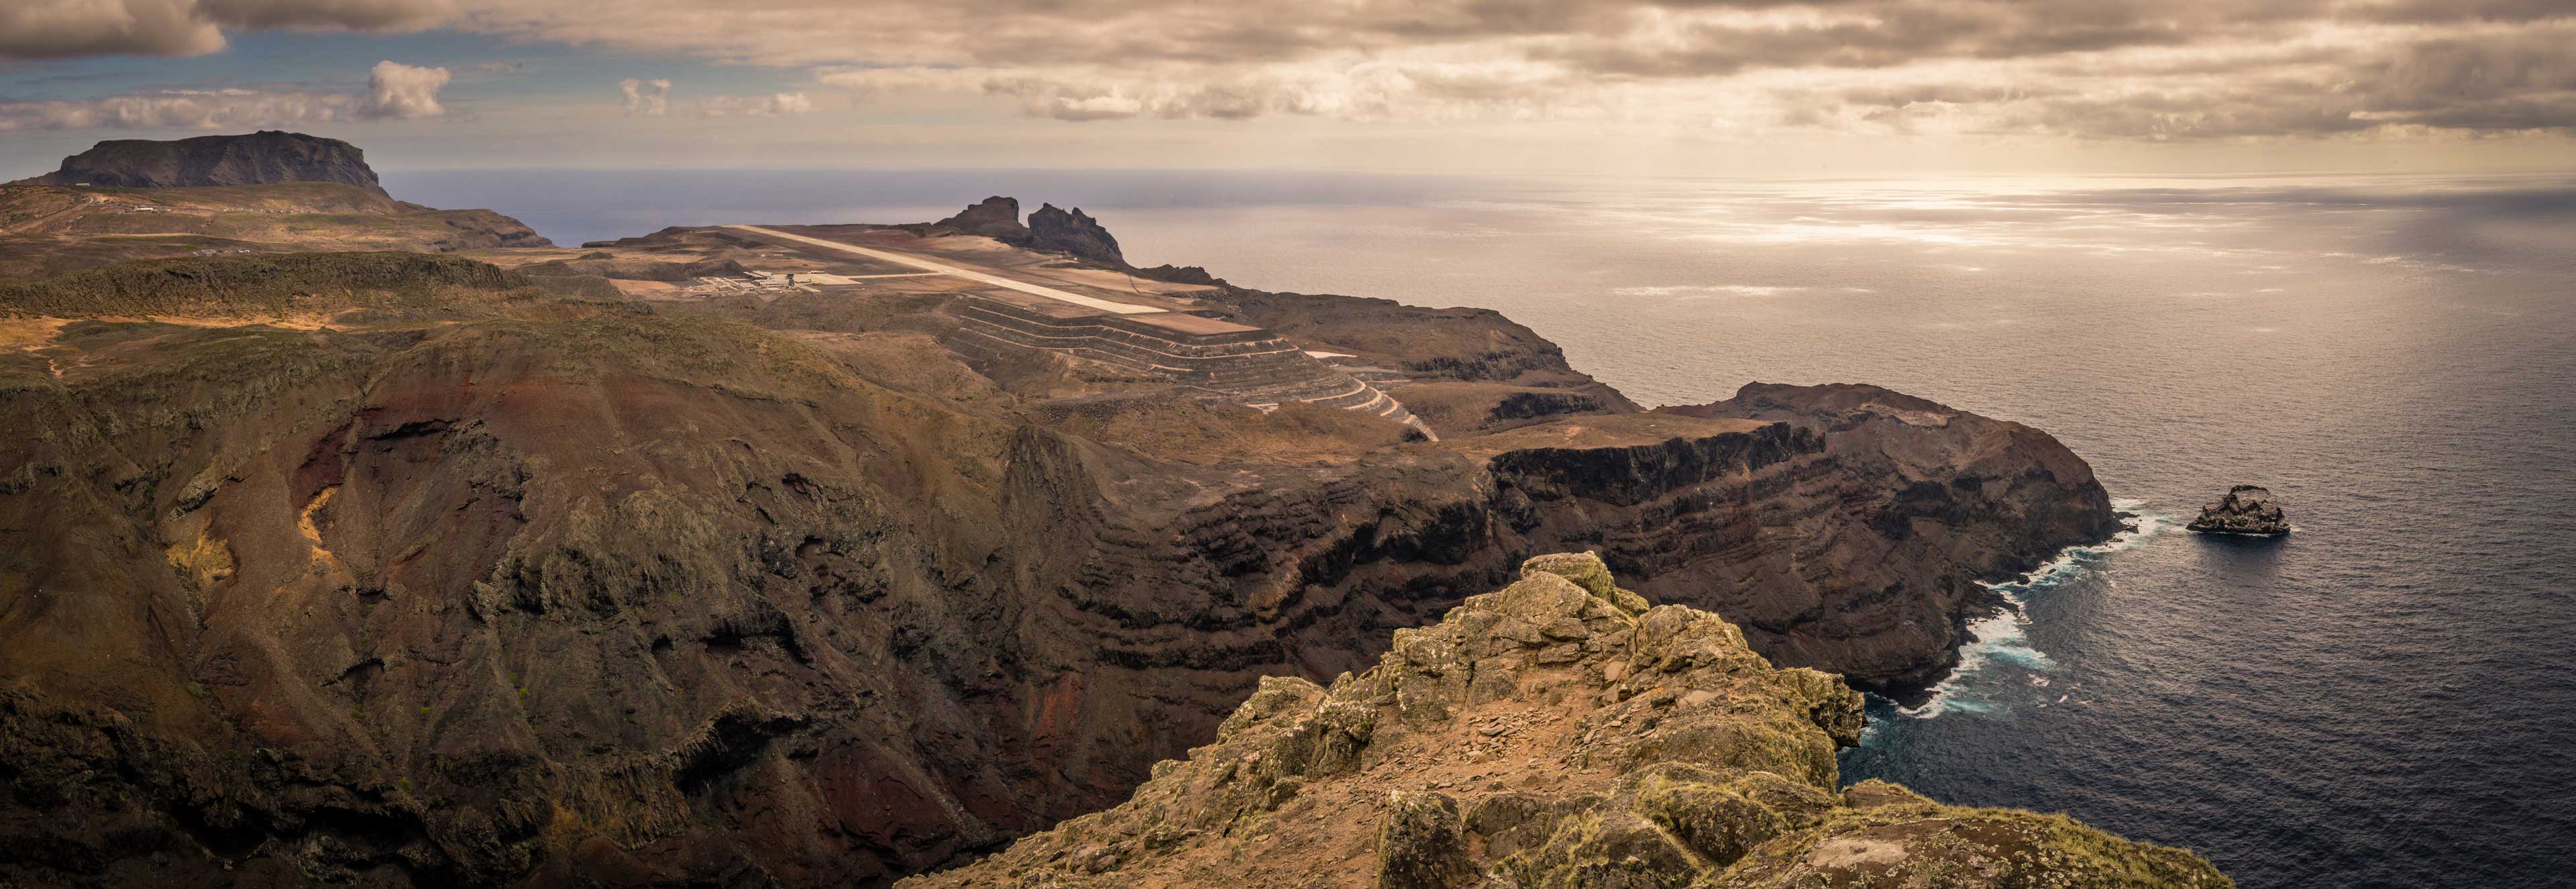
[[1560, 732]]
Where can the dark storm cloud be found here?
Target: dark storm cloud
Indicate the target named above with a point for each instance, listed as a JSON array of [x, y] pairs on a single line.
[[43, 29]]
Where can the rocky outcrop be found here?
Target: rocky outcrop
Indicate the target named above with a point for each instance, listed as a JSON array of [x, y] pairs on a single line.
[[1183, 274], [1061, 231], [262, 158], [2246, 509], [996, 217], [1050, 229], [1558, 732]]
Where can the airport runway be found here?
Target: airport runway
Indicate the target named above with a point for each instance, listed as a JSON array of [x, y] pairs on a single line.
[[968, 274]]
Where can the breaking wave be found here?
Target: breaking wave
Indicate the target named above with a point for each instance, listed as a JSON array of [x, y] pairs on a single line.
[[2003, 636]]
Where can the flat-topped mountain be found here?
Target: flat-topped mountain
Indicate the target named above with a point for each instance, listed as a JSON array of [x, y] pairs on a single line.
[[266, 157], [134, 199]]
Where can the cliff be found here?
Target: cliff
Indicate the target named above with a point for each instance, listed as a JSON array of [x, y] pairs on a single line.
[[1922, 502], [266, 157], [1558, 732]]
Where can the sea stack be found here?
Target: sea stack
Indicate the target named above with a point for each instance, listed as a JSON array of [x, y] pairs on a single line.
[[2247, 509]]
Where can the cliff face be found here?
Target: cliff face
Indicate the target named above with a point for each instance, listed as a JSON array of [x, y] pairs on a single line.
[[262, 158], [1558, 732], [1911, 505], [326, 574]]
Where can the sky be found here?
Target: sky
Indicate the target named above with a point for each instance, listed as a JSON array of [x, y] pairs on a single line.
[[1712, 88]]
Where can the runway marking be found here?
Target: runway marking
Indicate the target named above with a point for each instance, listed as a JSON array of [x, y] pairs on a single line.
[[968, 274]]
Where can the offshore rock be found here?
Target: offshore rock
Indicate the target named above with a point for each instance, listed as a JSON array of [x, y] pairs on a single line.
[[266, 157], [2247, 509], [1556, 733], [1062, 231]]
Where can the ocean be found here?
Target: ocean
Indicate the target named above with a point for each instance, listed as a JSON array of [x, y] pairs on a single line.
[[2387, 697]]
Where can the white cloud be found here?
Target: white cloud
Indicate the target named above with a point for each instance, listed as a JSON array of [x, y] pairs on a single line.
[[194, 110], [651, 98], [774, 105], [394, 91], [397, 90]]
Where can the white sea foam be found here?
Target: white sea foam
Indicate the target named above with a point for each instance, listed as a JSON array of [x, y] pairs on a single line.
[[2003, 635]]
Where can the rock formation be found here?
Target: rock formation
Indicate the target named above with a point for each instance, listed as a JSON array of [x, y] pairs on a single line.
[[996, 217], [1559, 732], [261, 158], [1050, 229], [2246, 509], [1060, 231]]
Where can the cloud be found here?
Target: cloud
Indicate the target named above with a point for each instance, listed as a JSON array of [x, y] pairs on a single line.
[[55, 29], [350, 15], [651, 98], [394, 91], [195, 110], [2096, 69], [774, 105], [397, 90]]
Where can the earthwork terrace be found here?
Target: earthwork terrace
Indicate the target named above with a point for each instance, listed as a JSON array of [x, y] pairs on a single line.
[[1008, 302]]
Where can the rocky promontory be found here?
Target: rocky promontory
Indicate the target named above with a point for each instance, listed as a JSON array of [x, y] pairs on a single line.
[[395, 570], [1561, 732], [2246, 509], [266, 157]]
